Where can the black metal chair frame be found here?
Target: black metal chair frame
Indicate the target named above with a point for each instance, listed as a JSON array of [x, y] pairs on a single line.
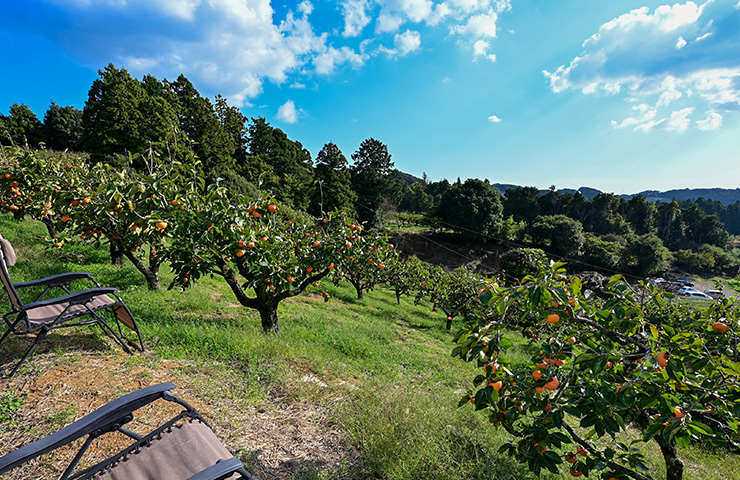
[[19, 324], [111, 418]]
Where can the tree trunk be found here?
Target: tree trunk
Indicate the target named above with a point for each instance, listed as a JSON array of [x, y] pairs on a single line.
[[673, 464], [116, 254], [46, 220], [269, 316], [398, 296], [151, 273], [358, 287]]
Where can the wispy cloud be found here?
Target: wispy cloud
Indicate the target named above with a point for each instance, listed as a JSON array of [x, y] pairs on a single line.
[[403, 44], [685, 53], [494, 119]]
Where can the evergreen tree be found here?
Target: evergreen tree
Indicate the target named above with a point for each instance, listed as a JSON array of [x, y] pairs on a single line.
[[20, 127], [287, 159], [112, 119], [200, 123], [333, 182], [522, 203], [472, 208], [641, 214], [375, 181], [62, 127]]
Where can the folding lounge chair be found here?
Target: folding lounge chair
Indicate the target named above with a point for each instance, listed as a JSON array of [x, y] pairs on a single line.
[[184, 448], [42, 315]]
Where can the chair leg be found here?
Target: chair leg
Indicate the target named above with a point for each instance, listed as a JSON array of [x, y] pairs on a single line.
[[39, 338], [112, 333], [5, 335]]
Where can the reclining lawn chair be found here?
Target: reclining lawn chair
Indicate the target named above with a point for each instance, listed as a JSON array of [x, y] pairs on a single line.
[[75, 308], [183, 448]]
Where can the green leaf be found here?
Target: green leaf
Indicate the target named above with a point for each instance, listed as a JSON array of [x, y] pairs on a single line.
[[699, 428], [651, 431]]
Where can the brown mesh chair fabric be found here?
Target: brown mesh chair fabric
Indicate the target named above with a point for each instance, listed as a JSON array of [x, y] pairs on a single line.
[[184, 448], [47, 314], [187, 449]]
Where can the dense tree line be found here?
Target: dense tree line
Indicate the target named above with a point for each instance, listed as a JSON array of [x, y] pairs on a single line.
[[124, 117], [606, 233]]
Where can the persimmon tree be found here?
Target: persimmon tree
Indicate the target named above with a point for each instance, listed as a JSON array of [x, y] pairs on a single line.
[[263, 256], [29, 183], [404, 274], [631, 358], [455, 293], [133, 211], [364, 260]]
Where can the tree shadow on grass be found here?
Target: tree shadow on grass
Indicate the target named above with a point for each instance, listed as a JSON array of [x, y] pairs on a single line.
[[75, 340]]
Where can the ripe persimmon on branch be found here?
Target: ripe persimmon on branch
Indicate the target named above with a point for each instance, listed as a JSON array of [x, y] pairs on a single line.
[[632, 358]]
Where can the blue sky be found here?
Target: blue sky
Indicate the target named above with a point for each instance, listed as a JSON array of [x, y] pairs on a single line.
[[621, 96]]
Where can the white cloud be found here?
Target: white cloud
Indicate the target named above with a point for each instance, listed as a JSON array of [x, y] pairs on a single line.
[[306, 8], [403, 44], [388, 23], [326, 62], [482, 25], [481, 48], [494, 119], [684, 51], [407, 42], [288, 113], [679, 120], [712, 122], [355, 17], [233, 47]]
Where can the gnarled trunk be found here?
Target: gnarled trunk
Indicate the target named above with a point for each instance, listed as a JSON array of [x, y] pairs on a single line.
[[269, 317], [116, 254], [673, 464], [151, 273]]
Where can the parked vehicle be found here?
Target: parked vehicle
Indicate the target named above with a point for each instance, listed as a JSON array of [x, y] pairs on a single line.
[[715, 293], [697, 294], [685, 283], [688, 290]]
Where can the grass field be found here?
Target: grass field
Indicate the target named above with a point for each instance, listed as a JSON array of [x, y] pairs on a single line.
[[348, 389]]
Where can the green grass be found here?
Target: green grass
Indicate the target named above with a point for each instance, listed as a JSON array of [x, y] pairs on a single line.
[[393, 386]]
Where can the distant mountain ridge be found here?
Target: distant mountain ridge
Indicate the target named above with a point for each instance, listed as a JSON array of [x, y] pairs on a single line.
[[724, 195]]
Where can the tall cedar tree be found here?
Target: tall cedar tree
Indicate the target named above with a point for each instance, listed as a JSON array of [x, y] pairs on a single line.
[[112, 119], [20, 127], [375, 181], [201, 124], [333, 183], [290, 162], [62, 128]]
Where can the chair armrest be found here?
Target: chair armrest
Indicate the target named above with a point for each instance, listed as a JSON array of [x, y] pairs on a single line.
[[57, 280], [105, 418], [221, 469], [72, 297]]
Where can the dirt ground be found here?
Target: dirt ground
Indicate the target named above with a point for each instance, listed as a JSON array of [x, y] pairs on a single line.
[[280, 438]]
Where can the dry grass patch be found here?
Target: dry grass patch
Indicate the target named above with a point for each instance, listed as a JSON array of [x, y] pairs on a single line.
[[280, 438]]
